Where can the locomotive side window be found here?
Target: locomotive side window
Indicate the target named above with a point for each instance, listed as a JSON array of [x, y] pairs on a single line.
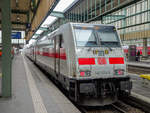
[[86, 37]]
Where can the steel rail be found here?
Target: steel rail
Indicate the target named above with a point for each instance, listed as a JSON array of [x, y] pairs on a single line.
[[137, 103], [138, 69], [119, 109]]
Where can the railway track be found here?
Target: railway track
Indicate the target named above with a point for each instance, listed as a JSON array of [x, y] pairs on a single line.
[[118, 107], [138, 69], [137, 103]]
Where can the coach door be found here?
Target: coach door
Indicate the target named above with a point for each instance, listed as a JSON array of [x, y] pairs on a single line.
[[57, 57], [35, 53]]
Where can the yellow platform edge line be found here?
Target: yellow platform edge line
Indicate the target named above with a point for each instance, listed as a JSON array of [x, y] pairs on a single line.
[[145, 76]]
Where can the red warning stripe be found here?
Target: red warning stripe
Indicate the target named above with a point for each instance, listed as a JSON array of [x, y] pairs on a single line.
[[86, 61], [118, 60]]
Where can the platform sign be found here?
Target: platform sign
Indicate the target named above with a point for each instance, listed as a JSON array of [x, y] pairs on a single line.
[[16, 35], [132, 53]]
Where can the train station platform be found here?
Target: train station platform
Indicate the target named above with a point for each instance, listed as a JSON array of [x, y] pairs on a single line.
[[140, 64], [140, 90], [32, 92]]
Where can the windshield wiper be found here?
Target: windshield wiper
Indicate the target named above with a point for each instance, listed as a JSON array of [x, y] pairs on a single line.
[[109, 48]]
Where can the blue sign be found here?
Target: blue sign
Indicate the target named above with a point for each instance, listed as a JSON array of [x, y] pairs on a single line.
[[16, 35]]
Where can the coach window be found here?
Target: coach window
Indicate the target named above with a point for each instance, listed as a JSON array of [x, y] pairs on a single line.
[[51, 43]]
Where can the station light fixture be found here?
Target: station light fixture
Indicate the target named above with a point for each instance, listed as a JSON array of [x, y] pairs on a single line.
[[63, 5], [35, 36], [39, 31], [48, 21], [18, 18]]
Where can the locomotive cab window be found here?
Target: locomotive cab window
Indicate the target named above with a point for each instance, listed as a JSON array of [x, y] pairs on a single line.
[[103, 36], [86, 37], [108, 37]]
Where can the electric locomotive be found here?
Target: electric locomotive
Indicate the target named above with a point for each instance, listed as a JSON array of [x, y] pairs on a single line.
[[87, 60]]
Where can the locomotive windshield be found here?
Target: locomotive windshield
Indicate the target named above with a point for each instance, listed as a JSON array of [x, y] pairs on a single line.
[[86, 37], [105, 36], [108, 37]]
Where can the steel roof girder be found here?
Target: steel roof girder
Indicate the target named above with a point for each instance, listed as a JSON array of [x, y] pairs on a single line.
[[57, 14], [43, 28]]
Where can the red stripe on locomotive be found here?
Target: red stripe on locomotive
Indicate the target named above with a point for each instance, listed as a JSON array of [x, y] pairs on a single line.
[[115, 60], [86, 61]]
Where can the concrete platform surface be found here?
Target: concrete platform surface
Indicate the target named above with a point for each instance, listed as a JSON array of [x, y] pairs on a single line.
[[32, 92], [140, 64], [139, 89]]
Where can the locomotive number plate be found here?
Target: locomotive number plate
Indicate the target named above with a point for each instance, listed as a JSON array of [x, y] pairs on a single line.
[[100, 53]]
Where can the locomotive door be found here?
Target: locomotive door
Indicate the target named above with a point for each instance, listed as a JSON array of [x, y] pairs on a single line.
[[57, 56]]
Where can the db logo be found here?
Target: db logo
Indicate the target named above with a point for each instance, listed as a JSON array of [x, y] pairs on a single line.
[[101, 61]]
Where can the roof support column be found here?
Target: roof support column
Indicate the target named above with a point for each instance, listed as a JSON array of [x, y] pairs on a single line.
[[124, 22], [87, 10], [6, 48], [145, 47]]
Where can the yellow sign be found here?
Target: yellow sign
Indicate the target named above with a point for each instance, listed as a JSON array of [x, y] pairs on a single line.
[[106, 52], [95, 51]]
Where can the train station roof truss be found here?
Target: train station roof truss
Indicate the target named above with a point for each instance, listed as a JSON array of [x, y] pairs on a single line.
[[44, 9], [54, 19], [110, 12], [19, 14], [113, 17], [105, 12], [91, 10], [27, 15]]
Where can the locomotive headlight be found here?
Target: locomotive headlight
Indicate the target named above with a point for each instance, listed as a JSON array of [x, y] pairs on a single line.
[[119, 72], [85, 73]]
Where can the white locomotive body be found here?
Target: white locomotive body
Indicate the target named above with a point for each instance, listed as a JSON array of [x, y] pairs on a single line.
[[88, 61]]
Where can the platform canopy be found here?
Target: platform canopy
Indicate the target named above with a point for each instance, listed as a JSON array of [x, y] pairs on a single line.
[[28, 14]]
